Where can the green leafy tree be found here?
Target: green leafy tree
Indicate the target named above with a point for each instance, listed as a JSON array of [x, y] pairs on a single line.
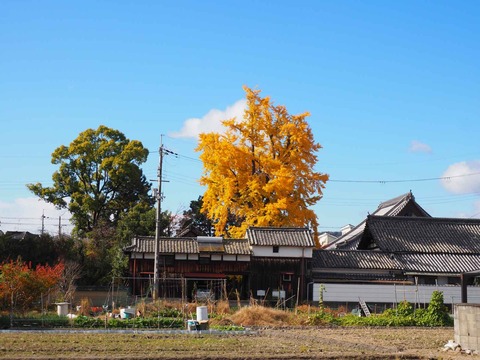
[[43, 249], [196, 218], [32, 249], [103, 257], [99, 178], [98, 247], [167, 223], [139, 220]]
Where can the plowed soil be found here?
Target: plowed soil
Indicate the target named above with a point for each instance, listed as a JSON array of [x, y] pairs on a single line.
[[278, 343]]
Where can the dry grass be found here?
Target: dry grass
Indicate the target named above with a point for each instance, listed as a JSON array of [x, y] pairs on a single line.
[[153, 308], [262, 316], [222, 307], [85, 305]]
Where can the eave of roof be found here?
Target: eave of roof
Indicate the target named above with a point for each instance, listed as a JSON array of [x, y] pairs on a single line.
[[407, 263], [146, 244], [285, 236], [354, 259]]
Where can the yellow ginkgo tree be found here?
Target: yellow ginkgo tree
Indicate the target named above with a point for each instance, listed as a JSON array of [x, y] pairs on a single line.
[[260, 170]]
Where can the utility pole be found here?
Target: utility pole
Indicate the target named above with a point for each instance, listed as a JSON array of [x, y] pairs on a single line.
[[60, 224], [158, 195], [43, 222]]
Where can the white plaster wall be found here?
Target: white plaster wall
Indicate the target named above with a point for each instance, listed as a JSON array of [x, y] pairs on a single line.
[[391, 293], [283, 251], [141, 256], [243, 257]]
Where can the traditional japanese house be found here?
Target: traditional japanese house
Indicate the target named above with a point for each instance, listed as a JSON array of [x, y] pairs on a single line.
[[405, 251], [271, 264], [190, 264], [281, 258]]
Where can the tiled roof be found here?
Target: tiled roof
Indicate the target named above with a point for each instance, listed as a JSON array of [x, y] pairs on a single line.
[[266, 236], [423, 235], [439, 263], [414, 245], [391, 207], [354, 259], [236, 246], [408, 263], [146, 244]]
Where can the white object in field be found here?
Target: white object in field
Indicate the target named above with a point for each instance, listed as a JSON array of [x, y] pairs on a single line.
[[62, 308], [452, 345], [202, 313]]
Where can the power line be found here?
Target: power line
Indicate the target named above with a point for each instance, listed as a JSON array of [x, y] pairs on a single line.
[[362, 181], [29, 218], [404, 180], [370, 181], [354, 181]]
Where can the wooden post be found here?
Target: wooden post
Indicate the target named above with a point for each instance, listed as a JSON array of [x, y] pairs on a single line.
[[298, 295], [134, 290], [464, 279]]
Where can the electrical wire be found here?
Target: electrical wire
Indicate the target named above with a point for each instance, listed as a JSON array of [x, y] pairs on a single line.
[[367, 181], [404, 180]]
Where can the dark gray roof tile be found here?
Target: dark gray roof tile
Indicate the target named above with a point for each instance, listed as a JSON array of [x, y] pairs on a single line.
[[423, 235], [392, 207], [408, 263], [267, 236], [146, 244], [439, 263], [354, 259]]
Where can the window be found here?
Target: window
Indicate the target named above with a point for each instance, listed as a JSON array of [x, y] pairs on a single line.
[[276, 249], [287, 277]]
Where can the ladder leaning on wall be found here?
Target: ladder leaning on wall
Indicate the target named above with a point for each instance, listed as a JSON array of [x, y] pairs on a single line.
[[364, 307]]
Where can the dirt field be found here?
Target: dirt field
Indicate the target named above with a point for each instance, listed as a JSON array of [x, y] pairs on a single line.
[[291, 343]]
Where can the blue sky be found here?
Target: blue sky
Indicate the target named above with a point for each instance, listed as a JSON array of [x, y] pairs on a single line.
[[393, 89]]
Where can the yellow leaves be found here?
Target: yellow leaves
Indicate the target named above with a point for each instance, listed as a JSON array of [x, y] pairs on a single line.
[[260, 171]]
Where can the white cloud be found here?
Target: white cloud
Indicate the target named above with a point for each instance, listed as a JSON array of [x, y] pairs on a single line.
[[211, 121], [25, 214], [417, 146], [460, 178]]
